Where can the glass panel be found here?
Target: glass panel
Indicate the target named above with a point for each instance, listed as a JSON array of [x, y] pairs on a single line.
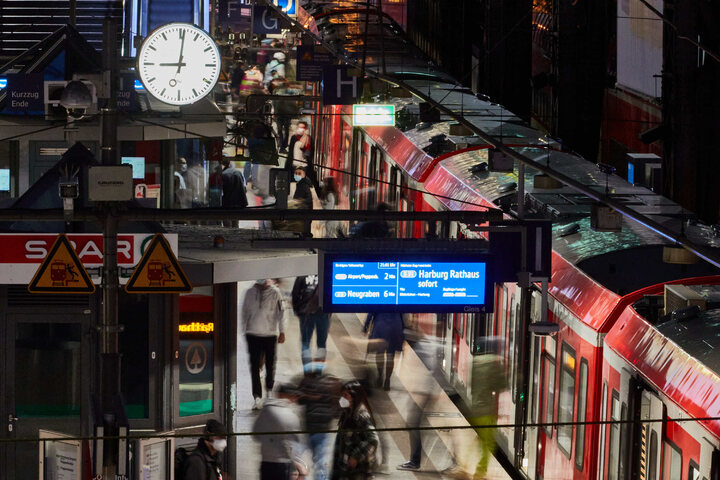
[[580, 429], [550, 396], [614, 438], [624, 437], [603, 430], [652, 467], [673, 462], [8, 170], [567, 399], [134, 348], [47, 370], [694, 473], [197, 341]]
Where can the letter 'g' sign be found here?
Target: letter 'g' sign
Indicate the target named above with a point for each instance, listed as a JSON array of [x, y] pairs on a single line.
[[264, 22]]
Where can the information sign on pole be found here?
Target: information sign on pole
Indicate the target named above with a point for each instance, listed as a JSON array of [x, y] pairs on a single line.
[[61, 272], [338, 86], [311, 59], [405, 283], [368, 115], [263, 21], [25, 94], [158, 271]]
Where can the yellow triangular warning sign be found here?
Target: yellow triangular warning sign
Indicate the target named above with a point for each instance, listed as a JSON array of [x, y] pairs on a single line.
[[158, 271], [307, 57], [61, 272]]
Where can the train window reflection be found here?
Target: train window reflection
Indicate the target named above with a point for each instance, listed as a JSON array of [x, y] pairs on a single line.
[[614, 437], [673, 462], [652, 467], [566, 402], [550, 394]]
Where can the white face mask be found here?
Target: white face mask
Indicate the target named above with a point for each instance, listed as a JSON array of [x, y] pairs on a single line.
[[300, 131], [344, 402], [219, 444]]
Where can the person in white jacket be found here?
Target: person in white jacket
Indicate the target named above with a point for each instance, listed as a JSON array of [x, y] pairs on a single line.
[[262, 320]]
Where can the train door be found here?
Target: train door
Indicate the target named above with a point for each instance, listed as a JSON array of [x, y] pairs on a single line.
[[651, 408], [529, 464], [546, 412]]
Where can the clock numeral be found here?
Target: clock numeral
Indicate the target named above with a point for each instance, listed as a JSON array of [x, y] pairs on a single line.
[[211, 65], [164, 36], [196, 37], [148, 63], [206, 80], [163, 92], [151, 79], [208, 48], [151, 47], [194, 92], [178, 94], [182, 34]]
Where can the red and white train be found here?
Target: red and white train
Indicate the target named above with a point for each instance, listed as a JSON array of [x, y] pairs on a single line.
[[621, 355]]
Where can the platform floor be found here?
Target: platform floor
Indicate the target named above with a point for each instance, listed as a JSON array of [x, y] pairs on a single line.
[[346, 347]]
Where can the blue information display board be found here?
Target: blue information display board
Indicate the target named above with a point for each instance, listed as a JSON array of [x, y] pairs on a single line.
[[405, 283]]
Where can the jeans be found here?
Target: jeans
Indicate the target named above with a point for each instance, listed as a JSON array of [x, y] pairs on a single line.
[[283, 124], [259, 347], [320, 323], [318, 444], [414, 421]]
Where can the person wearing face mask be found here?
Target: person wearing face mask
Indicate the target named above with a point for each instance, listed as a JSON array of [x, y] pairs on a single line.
[[303, 194], [203, 463], [262, 320], [300, 148], [356, 441]]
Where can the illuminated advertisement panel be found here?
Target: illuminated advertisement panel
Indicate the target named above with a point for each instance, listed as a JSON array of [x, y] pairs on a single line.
[[405, 283]]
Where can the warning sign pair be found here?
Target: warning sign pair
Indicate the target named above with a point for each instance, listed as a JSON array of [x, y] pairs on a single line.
[[63, 272]]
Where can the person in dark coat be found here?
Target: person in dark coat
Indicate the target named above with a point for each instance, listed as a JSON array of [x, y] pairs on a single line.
[[203, 462], [306, 305], [233, 188], [386, 338], [303, 193], [357, 441]]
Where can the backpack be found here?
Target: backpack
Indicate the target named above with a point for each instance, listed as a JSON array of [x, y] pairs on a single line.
[[181, 455]]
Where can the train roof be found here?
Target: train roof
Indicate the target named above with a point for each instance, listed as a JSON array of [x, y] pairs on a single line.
[[680, 358]]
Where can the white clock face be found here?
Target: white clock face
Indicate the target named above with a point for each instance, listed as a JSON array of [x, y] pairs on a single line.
[[179, 63]]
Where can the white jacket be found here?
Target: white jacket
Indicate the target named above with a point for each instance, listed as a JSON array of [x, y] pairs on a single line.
[[263, 312]]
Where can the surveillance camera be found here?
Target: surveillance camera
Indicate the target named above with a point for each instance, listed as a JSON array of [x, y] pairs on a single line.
[[76, 98]]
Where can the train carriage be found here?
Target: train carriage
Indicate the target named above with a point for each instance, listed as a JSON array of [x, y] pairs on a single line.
[[428, 163]]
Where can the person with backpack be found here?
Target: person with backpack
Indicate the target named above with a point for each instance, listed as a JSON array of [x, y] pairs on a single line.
[[356, 441], [203, 463], [306, 305]]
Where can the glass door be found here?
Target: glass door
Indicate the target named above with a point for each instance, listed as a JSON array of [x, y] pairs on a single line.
[[46, 383]]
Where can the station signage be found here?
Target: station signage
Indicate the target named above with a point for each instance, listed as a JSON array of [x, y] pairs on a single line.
[[372, 115], [25, 94], [405, 283]]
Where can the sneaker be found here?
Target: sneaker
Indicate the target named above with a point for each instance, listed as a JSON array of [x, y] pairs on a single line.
[[454, 471], [408, 466], [257, 405]]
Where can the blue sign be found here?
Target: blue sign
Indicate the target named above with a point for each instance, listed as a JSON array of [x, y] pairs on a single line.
[[311, 59], [338, 87], [288, 6], [25, 94], [126, 97], [405, 283], [263, 21]]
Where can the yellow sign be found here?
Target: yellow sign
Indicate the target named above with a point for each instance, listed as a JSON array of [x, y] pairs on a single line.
[[197, 327], [61, 272], [158, 271]]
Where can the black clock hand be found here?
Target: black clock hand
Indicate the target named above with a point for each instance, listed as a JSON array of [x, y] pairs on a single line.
[[182, 46], [172, 64]]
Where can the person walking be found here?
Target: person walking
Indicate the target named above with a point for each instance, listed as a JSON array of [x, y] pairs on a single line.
[[285, 111], [329, 197], [300, 148], [356, 441], [386, 337], [233, 189], [280, 452], [262, 321], [203, 463], [319, 394], [306, 305], [277, 64]]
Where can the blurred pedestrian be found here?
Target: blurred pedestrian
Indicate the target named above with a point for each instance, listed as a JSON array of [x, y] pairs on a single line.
[[285, 111], [356, 441], [183, 196], [277, 64], [196, 179], [373, 229], [204, 463], [300, 148], [306, 305], [488, 381], [233, 187], [262, 320], [428, 351], [251, 82], [386, 338], [303, 193], [236, 79], [319, 394], [281, 453], [329, 197]]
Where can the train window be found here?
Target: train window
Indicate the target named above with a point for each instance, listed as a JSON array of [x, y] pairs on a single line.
[[673, 462], [582, 404], [652, 470], [614, 446], [566, 402], [511, 347], [503, 313], [549, 395], [624, 437], [693, 471]]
